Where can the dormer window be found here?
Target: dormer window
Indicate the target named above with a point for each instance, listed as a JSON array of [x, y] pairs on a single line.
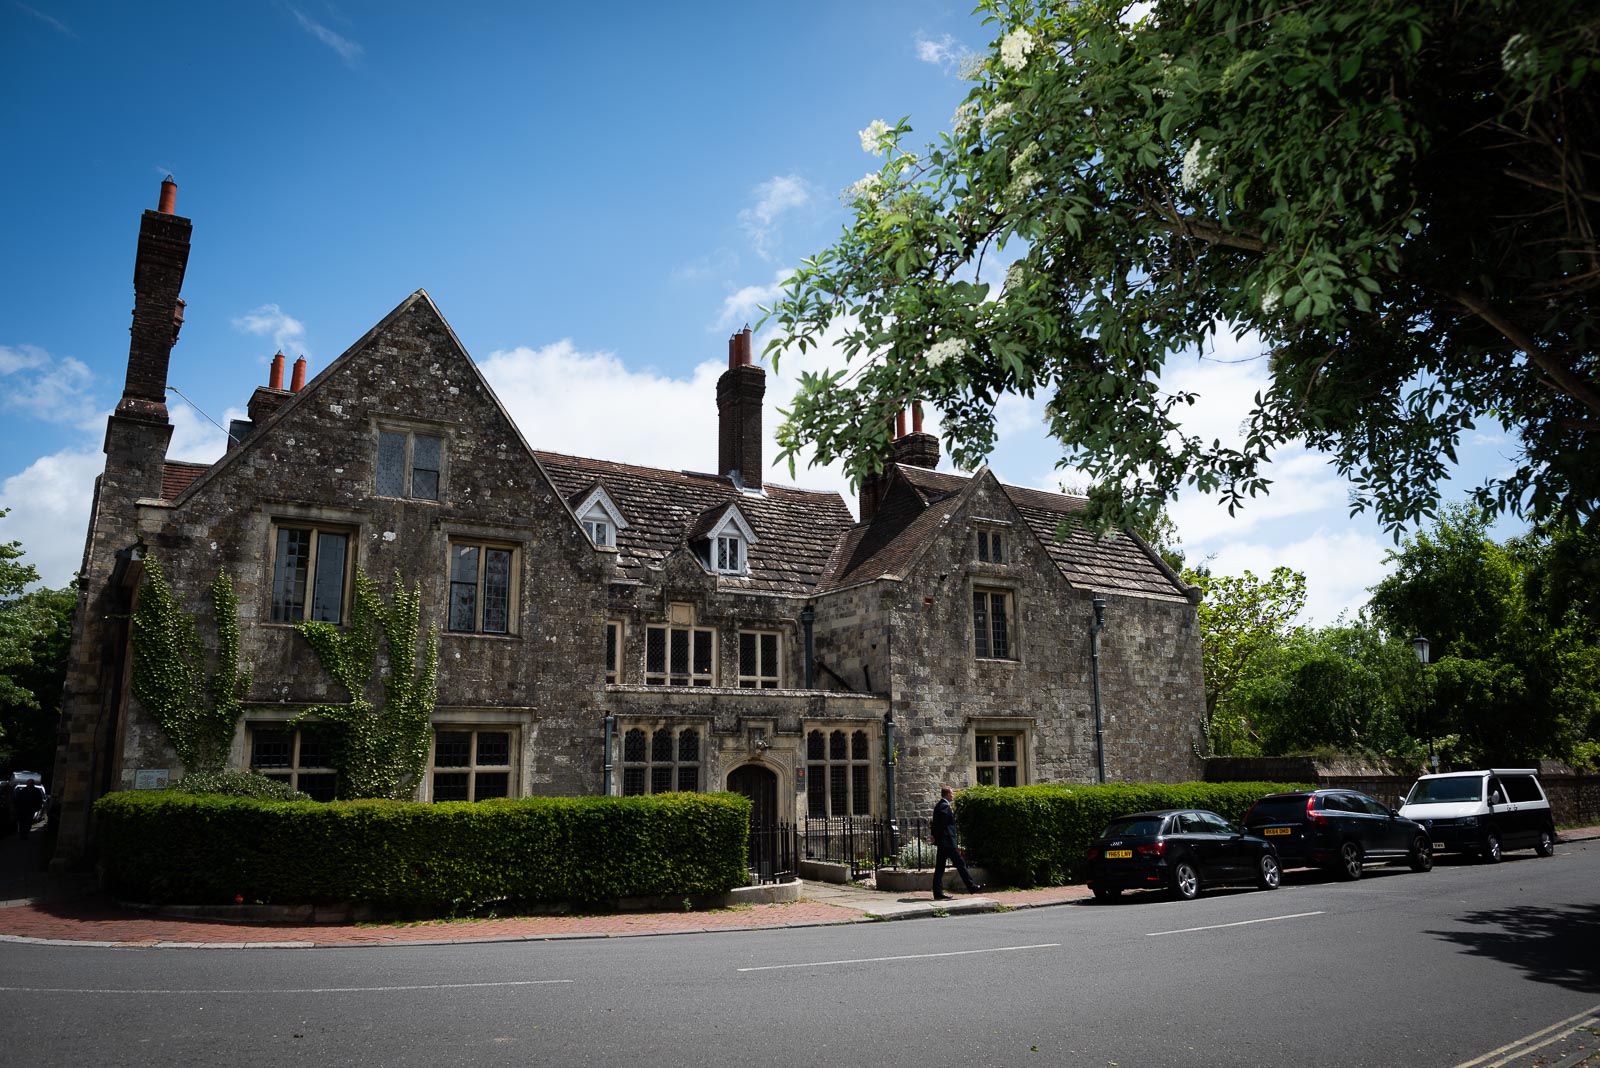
[[728, 540], [600, 516], [730, 554]]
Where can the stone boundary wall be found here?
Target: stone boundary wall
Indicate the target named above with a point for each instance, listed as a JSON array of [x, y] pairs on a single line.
[[1574, 798]]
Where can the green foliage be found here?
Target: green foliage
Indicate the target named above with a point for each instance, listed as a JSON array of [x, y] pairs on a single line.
[[1040, 835], [197, 711], [379, 750], [917, 854], [170, 846], [35, 629], [1515, 649], [1241, 620], [237, 784], [1382, 195]]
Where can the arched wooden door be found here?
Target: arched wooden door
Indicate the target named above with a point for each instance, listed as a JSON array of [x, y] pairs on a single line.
[[770, 855]]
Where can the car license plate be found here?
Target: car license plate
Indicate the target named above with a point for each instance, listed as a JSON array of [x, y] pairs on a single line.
[[1438, 845], [1277, 830], [1119, 854]]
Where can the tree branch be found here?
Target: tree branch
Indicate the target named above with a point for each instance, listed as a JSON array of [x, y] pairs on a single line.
[[1574, 386]]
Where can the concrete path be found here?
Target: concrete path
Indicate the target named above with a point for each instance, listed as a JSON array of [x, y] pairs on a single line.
[[71, 911]]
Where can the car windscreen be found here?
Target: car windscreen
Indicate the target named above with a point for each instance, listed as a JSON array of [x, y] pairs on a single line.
[[1447, 790], [1145, 827], [1278, 809]]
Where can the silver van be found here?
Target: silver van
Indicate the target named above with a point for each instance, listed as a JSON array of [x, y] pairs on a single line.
[[1483, 812]]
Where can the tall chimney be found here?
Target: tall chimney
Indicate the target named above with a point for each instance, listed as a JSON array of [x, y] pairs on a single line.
[[276, 381], [299, 381], [739, 393], [158, 269], [916, 449]]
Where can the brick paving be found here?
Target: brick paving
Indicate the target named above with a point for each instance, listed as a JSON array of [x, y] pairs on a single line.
[[72, 912]]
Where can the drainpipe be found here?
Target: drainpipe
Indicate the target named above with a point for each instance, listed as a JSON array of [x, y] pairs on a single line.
[[888, 778], [611, 730], [1094, 673], [808, 617]]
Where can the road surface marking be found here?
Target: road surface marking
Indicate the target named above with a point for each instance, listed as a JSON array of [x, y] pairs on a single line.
[[1521, 1044], [1241, 923], [908, 956], [292, 990]]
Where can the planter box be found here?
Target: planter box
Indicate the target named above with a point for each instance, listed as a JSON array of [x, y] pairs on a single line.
[[910, 880], [824, 872]]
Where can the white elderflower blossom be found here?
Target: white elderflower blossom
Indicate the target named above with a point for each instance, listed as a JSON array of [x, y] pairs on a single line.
[[964, 117], [949, 348], [1271, 301], [1519, 55], [1199, 164], [1014, 48], [867, 187], [1021, 184], [997, 114], [1019, 162], [1016, 277], [875, 137]]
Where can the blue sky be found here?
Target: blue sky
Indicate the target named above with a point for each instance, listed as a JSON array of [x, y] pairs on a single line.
[[595, 201]]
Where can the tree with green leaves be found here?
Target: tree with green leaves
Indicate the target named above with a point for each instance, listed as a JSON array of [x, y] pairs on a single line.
[[197, 709], [35, 629], [1242, 619], [1393, 199], [380, 749]]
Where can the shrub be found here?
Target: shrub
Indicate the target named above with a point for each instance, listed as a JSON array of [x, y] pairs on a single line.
[[237, 784], [203, 849], [917, 854], [1039, 835]]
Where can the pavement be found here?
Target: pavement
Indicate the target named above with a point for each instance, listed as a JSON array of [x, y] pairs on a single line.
[[40, 908]]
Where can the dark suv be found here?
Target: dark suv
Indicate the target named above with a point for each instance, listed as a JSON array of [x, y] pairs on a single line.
[[1338, 829]]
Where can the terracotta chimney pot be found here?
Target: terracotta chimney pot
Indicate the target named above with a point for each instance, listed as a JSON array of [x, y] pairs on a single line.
[[276, 380], [299, 381], [169, 197]]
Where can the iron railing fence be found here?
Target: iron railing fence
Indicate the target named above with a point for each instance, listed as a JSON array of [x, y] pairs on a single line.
[[772, 853]]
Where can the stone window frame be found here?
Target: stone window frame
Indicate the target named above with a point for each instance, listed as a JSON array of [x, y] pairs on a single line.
[[1019, 729], [474, 768], [318, 525], [983, 646], [616, 643], [991, 546], [857, 763], [326, 784], [513, 606], [412, 429], [692, 677], [764, 658], [648, 762]]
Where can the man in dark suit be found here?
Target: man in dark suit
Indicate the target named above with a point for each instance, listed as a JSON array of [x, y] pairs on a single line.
[[945, 846]]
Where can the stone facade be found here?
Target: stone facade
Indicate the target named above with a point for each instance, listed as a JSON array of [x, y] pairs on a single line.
[[608, 626]]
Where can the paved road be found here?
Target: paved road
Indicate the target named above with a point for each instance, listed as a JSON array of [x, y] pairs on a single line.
[[1433, 969]]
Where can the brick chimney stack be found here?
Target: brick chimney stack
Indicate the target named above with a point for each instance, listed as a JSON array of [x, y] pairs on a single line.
[[158, 268], [916, 449], [739, 393]]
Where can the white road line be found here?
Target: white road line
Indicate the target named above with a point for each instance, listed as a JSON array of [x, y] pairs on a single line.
[[908, 956], [1563, 1026], [292, 990], [1241, 923]]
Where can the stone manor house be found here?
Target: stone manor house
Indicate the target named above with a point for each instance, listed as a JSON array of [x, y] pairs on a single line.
[[607, 626]]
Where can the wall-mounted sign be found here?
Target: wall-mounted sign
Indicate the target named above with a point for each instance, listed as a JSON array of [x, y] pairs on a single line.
[[800, 777], [150, 779]]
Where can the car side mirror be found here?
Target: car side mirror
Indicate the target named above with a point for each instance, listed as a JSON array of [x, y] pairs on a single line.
[[1394, 812]]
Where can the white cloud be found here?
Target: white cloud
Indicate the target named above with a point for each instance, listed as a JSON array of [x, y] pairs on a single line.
[[286, 331], [46, 388], [745, 304], [1339, 566], [942, 52], [348, 50], [54, 24], [49, 503], [194, 437], [773, 198], [720, 263]]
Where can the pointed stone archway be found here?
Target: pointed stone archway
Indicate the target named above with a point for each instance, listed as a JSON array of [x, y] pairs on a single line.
[[770, 856]]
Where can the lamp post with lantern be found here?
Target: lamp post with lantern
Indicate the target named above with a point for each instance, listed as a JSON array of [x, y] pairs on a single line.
[[1419, 645]]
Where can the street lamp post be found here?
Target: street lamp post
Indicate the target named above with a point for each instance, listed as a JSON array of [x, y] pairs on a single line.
[[1419, 645], [1094, 675]]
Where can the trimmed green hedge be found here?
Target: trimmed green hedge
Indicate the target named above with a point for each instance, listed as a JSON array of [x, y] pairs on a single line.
[[1038, 835], [172, 847]]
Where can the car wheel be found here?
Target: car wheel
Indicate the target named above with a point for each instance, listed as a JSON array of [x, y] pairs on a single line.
[[1547, 844], [1491, 849], [1185, 880], [1421, 856], [1350, 860], [1268, 873], [1106, 894]]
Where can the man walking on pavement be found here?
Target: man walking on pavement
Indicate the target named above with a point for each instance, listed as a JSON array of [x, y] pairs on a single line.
[[946, 847]]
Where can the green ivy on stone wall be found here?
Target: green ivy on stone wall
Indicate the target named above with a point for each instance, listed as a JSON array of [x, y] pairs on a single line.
[[379, 751], [198, 713]]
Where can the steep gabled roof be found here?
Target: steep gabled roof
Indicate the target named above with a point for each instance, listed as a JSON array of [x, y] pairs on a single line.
[[795, 529], [176, 476], [1116, 563]]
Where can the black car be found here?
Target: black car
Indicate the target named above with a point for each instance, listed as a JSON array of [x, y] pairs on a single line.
[[1340, 830], [1179, 850]]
